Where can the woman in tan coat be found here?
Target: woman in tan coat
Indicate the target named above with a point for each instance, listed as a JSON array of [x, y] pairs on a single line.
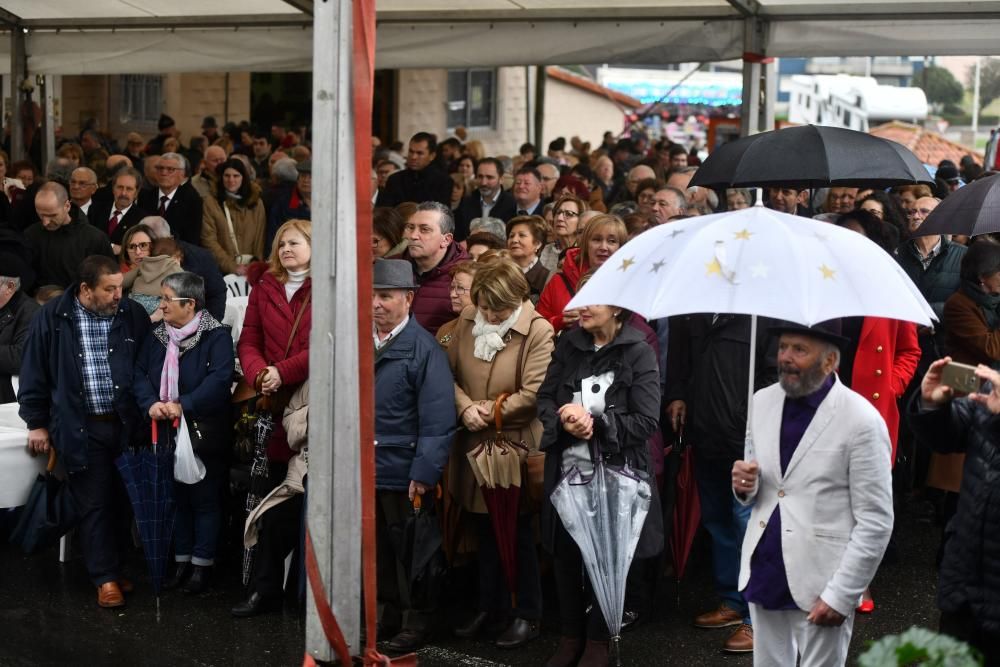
[[235, 220], [500, 346]]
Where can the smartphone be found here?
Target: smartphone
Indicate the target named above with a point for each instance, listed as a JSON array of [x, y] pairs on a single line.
[[961, 378]]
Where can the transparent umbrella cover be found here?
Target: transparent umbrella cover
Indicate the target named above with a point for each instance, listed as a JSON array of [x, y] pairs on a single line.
[[604, 515]]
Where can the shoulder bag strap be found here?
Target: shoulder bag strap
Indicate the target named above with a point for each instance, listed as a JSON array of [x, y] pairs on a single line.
[[295, 325], [567, 283], [232, 232], [520, 355]]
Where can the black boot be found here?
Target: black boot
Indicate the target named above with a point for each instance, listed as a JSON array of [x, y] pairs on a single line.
[[254, 606], [198, 581], [180, 575]]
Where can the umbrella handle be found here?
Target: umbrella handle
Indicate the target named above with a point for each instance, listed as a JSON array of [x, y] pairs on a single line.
[[496, 411], [154, 434], [51, 465]]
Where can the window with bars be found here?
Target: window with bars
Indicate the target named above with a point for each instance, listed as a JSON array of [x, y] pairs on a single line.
[[141, 98], [472, 98]]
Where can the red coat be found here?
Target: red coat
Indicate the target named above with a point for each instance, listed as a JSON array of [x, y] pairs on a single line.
[[555, 296], [266, 329], [886, 359]]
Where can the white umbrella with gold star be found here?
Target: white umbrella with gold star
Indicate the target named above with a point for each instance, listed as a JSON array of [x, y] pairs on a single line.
[[755, 262]]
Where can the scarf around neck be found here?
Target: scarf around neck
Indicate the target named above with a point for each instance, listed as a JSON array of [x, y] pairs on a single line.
[[989, 304], [489, 337], [171, 364]]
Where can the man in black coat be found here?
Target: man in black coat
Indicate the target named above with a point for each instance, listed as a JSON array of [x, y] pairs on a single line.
[[708, 362], [62, 238], [117, 216], [490, 200], [421, 180], [16, 311], [175, 199], [196, 260]]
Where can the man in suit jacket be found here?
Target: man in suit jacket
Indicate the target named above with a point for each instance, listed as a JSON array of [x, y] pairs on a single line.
[[489, 201], [175, 199], [422, 180], [821, 489], [117, 216]]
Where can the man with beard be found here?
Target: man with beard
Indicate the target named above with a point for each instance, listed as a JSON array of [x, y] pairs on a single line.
[[117, 216], [76, 395], [489, 201], [821, 490]]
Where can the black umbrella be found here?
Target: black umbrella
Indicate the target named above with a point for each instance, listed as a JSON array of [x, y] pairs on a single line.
[[417, 543], [971, 210], [811, 156], [49, 513]]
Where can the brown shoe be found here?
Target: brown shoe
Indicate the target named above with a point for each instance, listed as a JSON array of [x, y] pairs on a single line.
[[109, 595], [723, 617], [741, 641]]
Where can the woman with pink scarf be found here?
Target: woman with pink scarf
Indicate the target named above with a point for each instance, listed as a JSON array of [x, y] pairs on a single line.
[[184, 371]]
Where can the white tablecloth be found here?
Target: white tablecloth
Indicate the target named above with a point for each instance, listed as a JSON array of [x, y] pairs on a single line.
[[18, 469]]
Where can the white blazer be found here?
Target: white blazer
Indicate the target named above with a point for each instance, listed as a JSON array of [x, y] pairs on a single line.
[[835, 497]]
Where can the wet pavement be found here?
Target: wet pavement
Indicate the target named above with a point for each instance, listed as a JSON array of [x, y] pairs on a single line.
[[48, 616]]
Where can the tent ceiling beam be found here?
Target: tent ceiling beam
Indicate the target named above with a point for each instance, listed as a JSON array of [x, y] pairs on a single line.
[[746, 8], [10, 19], [304, 6], [169, 22]]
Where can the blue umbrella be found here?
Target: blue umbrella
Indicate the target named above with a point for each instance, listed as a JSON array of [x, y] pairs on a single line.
[[148, 473]]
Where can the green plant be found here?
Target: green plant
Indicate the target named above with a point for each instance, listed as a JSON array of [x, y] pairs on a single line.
[[919, 646]]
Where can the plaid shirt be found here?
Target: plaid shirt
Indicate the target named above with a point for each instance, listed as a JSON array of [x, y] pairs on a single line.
[[97, 383]]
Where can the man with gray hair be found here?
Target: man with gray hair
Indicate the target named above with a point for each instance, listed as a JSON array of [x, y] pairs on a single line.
[[206, 180], [820, 484], [63, 238], [410, 408], [196, 260], [175, 199], [494, 226], [16, 311], [432, 252], [82, 186], [117, 216], [668, 202]]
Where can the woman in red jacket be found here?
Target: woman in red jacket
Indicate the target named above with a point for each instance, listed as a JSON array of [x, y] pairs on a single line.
[[885, 355], [602, 236], [275, 341]]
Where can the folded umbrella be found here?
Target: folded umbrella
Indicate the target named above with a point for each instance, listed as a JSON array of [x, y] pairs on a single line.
[[148, 474], [604, 515], [496, 463], [49, 513]]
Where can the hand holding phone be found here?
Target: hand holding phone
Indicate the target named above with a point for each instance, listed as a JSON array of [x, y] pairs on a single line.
[[961, 378]]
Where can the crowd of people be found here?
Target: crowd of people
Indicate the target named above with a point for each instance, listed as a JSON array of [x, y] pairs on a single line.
[[475, 258]]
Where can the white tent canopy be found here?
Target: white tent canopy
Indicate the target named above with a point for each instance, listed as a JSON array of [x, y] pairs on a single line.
[[147, 36]]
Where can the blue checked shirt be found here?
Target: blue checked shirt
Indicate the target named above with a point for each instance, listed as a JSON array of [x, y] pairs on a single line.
[[97, 384]]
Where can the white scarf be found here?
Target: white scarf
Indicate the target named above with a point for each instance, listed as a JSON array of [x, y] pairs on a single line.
[[489, 337]]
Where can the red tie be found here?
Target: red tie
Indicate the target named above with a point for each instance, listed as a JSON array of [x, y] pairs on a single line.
[[113, 222], [163, 204]]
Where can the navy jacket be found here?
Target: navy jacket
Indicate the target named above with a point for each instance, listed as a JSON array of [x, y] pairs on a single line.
[[51, 381], [204, 380], [200, 261], [414, 410]]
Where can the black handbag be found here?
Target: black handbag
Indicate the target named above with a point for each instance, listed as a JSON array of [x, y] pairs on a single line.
[[211, 438], [49, 513]]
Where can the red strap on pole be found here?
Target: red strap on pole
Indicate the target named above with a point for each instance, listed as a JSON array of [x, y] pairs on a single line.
[[331, 628], [758, 58]]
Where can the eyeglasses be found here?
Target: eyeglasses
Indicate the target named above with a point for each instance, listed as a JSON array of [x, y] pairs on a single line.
[[144, 245], [168, 299], [646, 199], [566, 213], [458, 289], [161, 167]]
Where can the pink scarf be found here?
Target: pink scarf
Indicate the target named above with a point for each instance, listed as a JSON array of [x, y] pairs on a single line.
[[171, 364]]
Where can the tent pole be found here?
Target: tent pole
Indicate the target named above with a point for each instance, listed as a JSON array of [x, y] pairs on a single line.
[[334, 418], [18, 64]]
